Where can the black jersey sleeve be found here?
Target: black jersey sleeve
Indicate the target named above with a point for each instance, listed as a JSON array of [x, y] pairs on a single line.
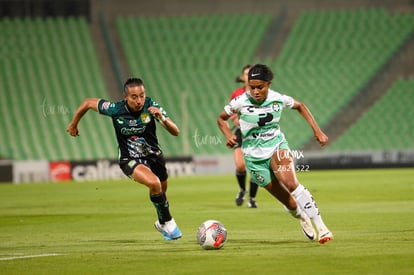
[[108, 108]]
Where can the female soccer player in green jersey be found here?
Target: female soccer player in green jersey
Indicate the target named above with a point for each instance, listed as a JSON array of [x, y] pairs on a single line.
[[140, 157], [266, 151]]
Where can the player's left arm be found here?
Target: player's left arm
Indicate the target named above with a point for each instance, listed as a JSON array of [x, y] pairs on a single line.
[[166, 122], [319, 135]]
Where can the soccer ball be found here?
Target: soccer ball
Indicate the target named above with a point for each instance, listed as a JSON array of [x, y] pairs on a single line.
[[211, 234]]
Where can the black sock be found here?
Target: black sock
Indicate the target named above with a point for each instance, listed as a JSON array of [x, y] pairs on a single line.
[[253, 189], [241, 179], [161, 205]]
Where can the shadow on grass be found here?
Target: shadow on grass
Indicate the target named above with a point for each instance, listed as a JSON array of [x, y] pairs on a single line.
[[185, 245]]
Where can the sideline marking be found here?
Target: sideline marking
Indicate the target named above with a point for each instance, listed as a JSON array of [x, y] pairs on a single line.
[[29, 256]]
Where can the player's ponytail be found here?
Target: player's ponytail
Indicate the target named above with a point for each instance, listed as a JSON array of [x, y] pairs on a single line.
[[239, 78]]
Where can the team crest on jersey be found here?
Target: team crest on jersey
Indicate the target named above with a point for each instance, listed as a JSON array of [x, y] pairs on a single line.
[[258, 177], [276, 106], [145, 118], [131, 163]]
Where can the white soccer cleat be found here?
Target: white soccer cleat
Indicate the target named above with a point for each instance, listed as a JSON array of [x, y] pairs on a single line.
[[169, 230], [325, 236], [307, 227]]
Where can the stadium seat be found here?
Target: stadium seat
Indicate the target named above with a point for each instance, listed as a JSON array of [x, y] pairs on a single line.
[[191, 57], [330, 55], [327, 58], [48, 68], [385, 126]]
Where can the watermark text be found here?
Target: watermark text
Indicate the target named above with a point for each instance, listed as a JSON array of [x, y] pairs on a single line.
[[202, 140]]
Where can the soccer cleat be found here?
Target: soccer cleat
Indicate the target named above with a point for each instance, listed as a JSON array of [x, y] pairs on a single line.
[[252, 203], [325, 237], [307, 227], [169, 230], [240, 198]]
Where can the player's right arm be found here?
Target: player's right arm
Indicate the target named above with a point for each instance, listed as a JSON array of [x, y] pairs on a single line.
[[88, 103], [229, 110], [225, 129]]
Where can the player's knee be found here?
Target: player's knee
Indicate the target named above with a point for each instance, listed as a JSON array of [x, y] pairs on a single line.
[[290, 185], [154, 185], [240, 168]]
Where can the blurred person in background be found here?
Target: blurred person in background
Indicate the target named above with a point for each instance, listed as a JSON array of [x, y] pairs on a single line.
[[237, 151], [140, 157]]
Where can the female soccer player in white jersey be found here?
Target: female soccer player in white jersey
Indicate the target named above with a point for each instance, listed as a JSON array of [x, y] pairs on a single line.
[[266, 151]]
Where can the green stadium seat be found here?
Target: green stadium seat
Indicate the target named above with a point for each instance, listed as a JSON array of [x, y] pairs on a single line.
[[196, 56], [387, 125], [330, 55], [52, 64]]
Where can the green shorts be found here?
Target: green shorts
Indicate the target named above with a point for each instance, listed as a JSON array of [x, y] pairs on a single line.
[[259, 169]]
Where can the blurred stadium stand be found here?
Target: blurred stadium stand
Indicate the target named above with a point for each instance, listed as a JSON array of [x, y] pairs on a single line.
[[45, 8], [48, 66], [388, 124], [327, 61], [185, 61], [325, 53]]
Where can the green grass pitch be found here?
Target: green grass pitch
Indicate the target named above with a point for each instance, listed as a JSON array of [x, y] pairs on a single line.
[[107, 227]]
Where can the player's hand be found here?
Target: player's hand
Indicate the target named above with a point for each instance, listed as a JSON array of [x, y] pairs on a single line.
[[156, 112], [73, 130], [321, 138], [231, 142]]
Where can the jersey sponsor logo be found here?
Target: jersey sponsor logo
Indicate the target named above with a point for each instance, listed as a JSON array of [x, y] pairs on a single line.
[[250, 109], [106, 105], [275, 107], [264, 118], [263, 135], [132, 130]]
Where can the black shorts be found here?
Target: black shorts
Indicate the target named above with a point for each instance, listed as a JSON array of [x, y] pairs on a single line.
[[238, 135], [154, 162]]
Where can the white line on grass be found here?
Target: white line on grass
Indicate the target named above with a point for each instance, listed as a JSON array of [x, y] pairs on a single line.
[[28, 256]]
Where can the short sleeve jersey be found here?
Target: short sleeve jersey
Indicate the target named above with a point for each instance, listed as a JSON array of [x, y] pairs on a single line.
[[135, 131], [237, 92], [259, 123]]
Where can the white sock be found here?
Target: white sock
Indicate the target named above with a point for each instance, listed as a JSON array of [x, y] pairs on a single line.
[[296, 213], [305, 201]]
